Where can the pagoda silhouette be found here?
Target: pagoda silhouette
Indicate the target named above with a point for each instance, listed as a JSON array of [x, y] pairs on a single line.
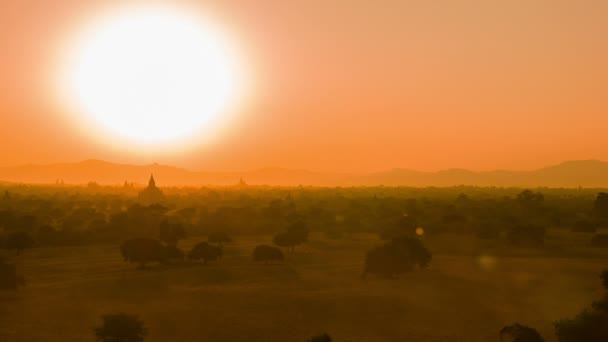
[[151, 194]]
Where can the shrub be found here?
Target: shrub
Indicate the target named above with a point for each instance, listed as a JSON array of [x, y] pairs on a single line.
[[519, 333], [121, 328], [206, 252], [398, 256], [267, 254], [143, 251]]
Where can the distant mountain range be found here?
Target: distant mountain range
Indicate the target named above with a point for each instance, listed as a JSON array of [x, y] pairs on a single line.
[[583, 173]]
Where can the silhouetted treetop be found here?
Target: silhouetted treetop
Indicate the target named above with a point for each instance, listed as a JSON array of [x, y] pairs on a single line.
[[519, 333]]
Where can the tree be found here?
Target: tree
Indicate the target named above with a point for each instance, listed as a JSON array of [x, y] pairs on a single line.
[[296, 234], [121, 328], [18, 241], [397, 256], [519, 333], [267, 254], [320, 338], [219, 237], [530, 200], [206, 252], [600, 206], [9, 279], [588, 326], [591, 325], [143, 251]]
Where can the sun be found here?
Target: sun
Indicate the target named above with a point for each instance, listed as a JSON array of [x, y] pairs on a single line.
[[152, 75]]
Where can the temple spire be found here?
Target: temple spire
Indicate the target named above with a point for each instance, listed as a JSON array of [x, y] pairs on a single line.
[[151, 182]]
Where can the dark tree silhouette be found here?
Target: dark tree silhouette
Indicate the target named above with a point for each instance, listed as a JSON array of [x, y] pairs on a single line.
[[9, 279], [206, 252], [121, 328], [591, 325], [588, 326], [519, 333], [18, 241], [267, 254], [296, 234], [397, 256], [600, 206], [530, 200], [219, 237], [143, 251], [320, 338]]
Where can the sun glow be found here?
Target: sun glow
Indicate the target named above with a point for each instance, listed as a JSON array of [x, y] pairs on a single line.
[[152, 75]]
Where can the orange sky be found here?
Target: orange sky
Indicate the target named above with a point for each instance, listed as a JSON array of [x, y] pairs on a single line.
[[354, 85]]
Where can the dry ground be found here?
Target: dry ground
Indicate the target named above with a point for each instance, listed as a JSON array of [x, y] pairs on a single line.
[[469, 292]]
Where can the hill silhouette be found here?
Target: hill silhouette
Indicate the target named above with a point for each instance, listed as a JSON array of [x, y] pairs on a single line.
[[583, 173]]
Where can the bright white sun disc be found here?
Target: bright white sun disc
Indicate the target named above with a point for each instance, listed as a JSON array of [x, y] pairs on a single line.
[[152, 75]]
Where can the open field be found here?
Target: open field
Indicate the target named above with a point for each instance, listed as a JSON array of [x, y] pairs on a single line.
[[460, 297]]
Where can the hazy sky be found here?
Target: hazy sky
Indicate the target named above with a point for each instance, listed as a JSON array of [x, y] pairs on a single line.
[[353, 85]]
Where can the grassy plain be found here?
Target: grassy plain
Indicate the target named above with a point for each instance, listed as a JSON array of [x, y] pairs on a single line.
[[470, 291]]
